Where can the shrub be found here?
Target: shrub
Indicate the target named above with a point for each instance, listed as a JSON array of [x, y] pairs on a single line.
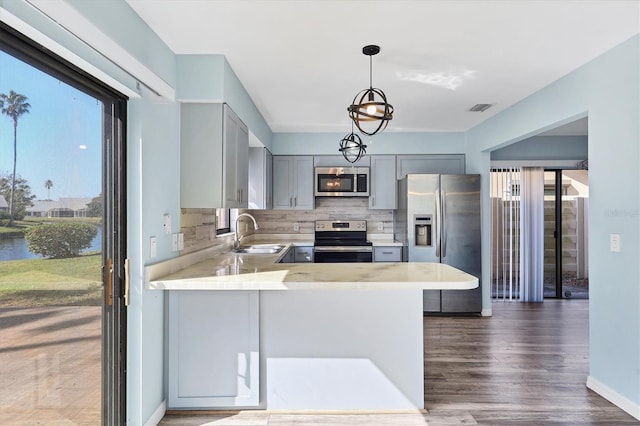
[[60, 240]]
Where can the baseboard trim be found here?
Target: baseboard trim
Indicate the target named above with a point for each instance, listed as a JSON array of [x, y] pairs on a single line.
[[614, 397], [486, 313], [157, 415], [191, 412]]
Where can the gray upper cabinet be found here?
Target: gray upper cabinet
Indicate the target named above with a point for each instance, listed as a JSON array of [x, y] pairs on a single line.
[[293, 182], [260, 178], [431, 163], [382, 182], [339, 161], [214, 152]]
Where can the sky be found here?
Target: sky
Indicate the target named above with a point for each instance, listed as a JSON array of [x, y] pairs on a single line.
[[60, 139]]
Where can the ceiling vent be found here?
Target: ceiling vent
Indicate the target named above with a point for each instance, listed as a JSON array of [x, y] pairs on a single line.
[[480, 107]]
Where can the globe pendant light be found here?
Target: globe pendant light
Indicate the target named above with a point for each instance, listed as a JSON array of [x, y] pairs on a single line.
[[370, 105], [352, 148]]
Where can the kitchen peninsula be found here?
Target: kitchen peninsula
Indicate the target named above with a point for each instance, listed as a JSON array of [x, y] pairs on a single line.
[[248, 332]]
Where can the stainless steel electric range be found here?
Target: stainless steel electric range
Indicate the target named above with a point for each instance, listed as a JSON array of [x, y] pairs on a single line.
[[341, 241]]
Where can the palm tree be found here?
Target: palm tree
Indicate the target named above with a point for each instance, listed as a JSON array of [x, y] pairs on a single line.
[[13, 106], [48, 184]]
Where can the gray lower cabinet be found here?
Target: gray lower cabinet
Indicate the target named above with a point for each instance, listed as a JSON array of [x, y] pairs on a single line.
[[298, 254], [293, 182], [387, 254], [213, 342], [303, 254], [452, 164], [383, 182], [289, 256]]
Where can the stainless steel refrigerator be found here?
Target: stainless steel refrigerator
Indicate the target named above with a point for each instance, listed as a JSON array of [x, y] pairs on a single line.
[[438, 220]]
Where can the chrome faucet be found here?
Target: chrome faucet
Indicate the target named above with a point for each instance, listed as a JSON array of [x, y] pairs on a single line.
[[236, 241]]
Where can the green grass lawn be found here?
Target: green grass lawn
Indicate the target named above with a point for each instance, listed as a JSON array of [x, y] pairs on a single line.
[[51, 282], [20, 226]]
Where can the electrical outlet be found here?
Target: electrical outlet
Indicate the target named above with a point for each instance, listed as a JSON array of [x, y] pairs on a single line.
[[296, 226], [174, 242], [614, 243], [153, 247], [380, 226], [181, 241]]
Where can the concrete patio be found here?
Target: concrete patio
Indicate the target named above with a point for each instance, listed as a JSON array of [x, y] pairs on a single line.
[[50, 370]]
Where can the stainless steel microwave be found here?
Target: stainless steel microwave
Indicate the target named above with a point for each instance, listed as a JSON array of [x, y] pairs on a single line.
[[341, 182]]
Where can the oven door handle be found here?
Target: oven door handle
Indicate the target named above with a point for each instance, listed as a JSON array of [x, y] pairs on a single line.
[[357, 249]]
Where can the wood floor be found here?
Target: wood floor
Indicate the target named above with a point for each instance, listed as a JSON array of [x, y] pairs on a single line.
[[526, 365]]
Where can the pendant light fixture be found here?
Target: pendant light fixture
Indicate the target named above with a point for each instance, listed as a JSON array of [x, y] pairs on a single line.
[[352, 148], [370, 105]]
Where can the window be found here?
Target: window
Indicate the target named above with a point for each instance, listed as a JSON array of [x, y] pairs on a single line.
[[223, 221]]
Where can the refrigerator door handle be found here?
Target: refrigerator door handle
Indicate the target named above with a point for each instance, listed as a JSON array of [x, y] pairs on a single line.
[[444, 225], [436, 221]]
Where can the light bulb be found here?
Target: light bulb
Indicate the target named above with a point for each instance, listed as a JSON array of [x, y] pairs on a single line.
[[371, 109]]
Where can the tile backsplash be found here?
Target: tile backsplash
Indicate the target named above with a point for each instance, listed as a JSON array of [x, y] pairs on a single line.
[[198, 225], [199, 229], [282, 221]]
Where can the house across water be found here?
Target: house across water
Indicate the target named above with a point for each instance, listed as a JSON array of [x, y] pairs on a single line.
[[63, 207]]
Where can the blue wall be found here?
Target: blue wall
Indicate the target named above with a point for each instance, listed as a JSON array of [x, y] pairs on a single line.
[[209, 78], [545, 148], [607, 90], [153, 190]]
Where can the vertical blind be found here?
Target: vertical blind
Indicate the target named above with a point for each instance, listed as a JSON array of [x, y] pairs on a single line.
[[532, 232], [505, 233], [517, 233]]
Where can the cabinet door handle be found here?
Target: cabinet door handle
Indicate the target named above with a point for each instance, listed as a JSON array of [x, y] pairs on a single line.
[[290, 201], [295, 201], [387, 252], [373, 201]]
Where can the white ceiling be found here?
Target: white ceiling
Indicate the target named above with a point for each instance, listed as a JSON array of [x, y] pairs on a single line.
[[302, 61]]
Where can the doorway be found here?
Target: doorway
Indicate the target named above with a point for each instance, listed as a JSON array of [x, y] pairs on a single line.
[[565, 259], [62, 180]]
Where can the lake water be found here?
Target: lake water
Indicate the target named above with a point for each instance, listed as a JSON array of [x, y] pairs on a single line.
[[16, 248]]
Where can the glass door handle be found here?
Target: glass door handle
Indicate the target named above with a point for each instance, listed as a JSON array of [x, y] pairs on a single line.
[[108, 281]]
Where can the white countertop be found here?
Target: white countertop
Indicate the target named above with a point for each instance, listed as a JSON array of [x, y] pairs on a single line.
[[214, 270]]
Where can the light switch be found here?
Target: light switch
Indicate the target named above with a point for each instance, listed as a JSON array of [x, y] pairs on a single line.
[[153, 247], [166, 225], [614, 243]]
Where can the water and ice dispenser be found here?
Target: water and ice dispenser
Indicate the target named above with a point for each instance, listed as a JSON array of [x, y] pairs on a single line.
[[422, 225]]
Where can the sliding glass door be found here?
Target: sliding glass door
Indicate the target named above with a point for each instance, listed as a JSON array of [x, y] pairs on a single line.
[[62, 241], [566, 273]]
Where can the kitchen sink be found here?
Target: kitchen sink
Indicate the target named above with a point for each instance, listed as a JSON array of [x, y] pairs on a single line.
[[260, 249]]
